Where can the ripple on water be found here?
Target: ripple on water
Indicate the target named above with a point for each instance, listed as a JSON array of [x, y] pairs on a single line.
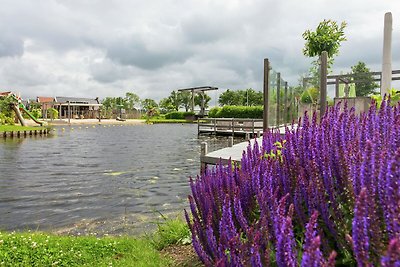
[[109, 180]]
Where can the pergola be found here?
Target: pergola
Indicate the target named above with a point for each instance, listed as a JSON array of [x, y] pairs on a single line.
[[200, 89]]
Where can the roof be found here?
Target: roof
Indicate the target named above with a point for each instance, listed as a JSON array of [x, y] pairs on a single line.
[[44, 99], [76, 100], [5, 93]]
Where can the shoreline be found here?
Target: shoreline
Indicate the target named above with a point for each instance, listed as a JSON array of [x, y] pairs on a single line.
[[64, 122]]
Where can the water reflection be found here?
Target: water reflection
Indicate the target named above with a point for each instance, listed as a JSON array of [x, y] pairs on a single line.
[[102, 179]]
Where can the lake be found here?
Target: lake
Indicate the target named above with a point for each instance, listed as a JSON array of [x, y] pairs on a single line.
[[98, 180]]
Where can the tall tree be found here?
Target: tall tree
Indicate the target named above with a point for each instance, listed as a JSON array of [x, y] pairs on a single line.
[[202, 97], [230, 98], [175, 100], [185, 99], [166, 105], [363, 80], [131, 100], [149, 104]]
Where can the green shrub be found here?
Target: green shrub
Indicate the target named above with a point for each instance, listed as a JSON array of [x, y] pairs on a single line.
[[178, 115], [213, 112], [171, 232], [394, 97], [6, 120], [253, 112], [52, 113], [310, 96]]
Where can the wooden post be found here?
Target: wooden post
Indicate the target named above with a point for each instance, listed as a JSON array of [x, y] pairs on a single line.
[[192, 104], [233, 127], [265, 94], [278, 98], [69, 112], [252, 126], [337, 88], [203, 152], [285, 105], [247, 136], [323, 82], [230, 141], [215, 126]]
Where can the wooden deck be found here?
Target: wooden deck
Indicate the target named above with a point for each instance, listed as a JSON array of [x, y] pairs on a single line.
[[234, 152], [230, 126]]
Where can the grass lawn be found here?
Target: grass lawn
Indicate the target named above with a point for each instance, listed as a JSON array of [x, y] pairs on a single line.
[[44, 249], [9, 128]]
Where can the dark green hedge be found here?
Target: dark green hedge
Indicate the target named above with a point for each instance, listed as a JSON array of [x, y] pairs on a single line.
[[178, 115], [243, 112]]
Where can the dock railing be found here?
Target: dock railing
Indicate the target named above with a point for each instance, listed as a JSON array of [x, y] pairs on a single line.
[[230, 126]]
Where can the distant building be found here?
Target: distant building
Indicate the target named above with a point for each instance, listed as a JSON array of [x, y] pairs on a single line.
[[79, 108]]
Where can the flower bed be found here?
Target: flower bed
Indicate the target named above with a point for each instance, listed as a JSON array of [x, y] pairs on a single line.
[[327, 193]]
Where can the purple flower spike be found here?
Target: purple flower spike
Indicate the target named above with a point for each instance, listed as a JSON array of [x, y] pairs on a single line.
[[360, 229], [392, 256]]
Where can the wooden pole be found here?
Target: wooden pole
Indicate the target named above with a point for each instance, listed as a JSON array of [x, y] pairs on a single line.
[[278, 98], [230, 141], [265, 94], [337, 88], [192, 104], [285, 104], [203, 152], [69, 113], [323, 82]]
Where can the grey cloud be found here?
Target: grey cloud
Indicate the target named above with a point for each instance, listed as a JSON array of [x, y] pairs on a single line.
[[11, 46], [136, 53], [109, 72]]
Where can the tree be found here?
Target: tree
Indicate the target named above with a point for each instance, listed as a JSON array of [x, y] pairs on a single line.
[[327, 37], [202, 100], [109, 103], [230, 98], [165, 105], [363, 80], [149, 104], [131, 100], [252, 97], [185, 99], [248, 97]]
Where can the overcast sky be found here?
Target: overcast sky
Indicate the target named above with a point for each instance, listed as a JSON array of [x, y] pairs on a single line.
[[89, 48]]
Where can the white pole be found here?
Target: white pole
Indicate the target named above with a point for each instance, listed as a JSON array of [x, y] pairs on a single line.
[[386, 78]]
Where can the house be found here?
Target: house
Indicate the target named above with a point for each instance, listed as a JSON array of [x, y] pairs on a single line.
[[77, 107]]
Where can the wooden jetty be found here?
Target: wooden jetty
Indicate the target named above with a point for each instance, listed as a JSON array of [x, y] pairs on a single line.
[[230, 126], [19, 134], [232, 152]]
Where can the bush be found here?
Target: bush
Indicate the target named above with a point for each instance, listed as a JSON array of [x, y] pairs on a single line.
[[326, 190], [243, 112], [52, 113], [310, 96], [179, 115], [6, 120]]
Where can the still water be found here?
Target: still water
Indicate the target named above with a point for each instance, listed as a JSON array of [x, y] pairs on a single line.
[[98, 179]]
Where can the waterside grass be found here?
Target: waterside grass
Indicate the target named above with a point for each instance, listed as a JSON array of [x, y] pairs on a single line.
[[161, 120], [29, 248], [16, 128]]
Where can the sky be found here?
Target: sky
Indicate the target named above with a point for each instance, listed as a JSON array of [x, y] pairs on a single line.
[[99, 48]]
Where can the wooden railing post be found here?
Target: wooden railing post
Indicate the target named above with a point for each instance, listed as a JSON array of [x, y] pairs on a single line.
[[230, 141], [203, 152]]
